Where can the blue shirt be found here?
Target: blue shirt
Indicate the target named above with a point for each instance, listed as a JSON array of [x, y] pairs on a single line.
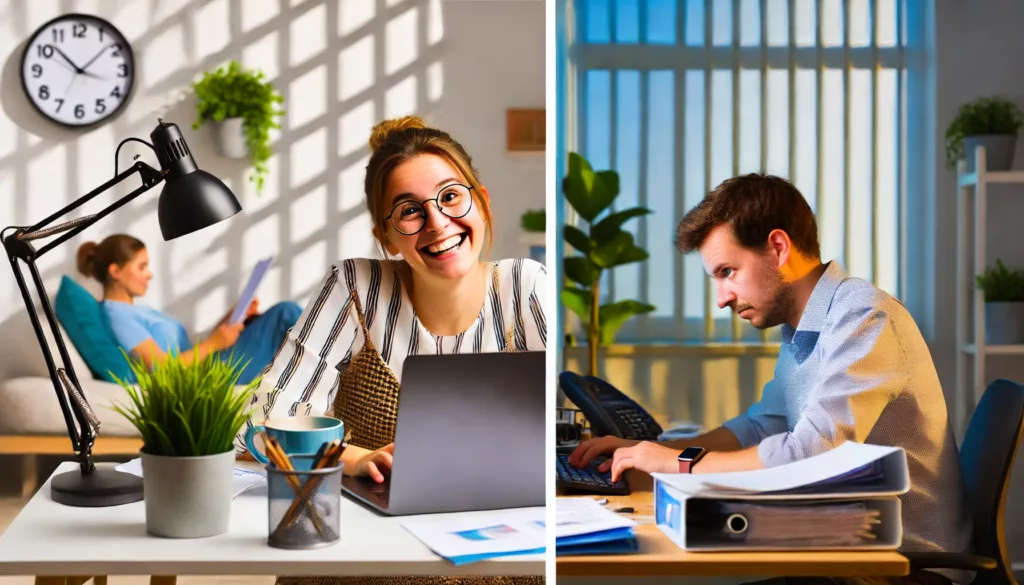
[[856, 368], [133, 324]]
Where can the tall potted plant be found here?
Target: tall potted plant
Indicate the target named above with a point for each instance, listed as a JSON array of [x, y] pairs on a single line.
[[603, 246], [244, 108], [1004, 304], [188, 416], [992, 122]]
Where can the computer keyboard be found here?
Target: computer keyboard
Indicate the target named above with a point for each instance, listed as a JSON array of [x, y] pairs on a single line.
[[588, 479]]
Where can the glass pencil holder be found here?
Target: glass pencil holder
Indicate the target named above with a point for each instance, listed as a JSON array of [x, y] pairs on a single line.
[[303, 505]]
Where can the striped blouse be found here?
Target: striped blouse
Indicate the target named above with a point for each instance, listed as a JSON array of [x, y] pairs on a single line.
[[303, 378]]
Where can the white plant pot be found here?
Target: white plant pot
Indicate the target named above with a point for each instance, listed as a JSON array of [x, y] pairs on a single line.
[[231, 138], [1004, 323], [188, 497]]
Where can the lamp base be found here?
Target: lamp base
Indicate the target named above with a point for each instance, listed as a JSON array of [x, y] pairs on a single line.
[[105, 486]]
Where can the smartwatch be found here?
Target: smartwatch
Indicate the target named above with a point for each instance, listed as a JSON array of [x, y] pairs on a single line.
[[689, 457]]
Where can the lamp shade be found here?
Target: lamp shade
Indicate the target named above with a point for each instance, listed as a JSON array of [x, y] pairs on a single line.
[[192, 199]]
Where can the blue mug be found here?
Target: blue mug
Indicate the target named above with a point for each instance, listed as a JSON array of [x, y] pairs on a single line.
[[297, 435]]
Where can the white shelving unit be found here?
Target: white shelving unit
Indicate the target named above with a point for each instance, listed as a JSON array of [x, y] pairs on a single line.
[[971, 340]]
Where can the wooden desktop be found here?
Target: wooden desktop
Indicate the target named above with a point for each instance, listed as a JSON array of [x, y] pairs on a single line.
[[659, 556]]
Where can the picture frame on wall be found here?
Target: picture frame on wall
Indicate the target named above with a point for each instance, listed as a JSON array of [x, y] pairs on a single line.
[[526, 129]]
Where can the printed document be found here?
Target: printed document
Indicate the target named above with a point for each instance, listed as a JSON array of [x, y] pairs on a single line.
[[474, 536], [576, 516], [832, 468]]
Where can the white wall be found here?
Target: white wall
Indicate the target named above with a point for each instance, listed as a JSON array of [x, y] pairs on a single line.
[[341, 66], [977, 49]]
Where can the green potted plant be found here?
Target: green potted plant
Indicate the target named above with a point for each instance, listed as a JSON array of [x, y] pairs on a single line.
[[992, 122], [534, 224], [1004, 304], [534, 220], [603, 246], [188, 416], [244, 108]]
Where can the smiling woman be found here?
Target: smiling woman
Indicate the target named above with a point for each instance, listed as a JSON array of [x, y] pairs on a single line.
[[432, 294]]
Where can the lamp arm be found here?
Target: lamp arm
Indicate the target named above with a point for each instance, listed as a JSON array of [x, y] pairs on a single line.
[[150, 178], [19, 247]]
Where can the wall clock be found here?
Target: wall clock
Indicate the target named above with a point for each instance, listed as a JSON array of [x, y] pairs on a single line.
[[78, 70]]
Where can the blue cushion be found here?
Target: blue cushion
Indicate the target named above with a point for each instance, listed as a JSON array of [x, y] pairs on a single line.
[[86, 324]]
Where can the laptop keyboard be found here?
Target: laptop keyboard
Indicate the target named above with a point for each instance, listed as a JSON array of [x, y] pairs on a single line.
[[381, 491], [589, 478]]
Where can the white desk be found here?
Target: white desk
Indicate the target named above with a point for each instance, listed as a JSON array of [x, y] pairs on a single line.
[[48, 539]]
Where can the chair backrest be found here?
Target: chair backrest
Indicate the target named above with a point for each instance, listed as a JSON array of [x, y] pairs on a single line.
[[986, 457]]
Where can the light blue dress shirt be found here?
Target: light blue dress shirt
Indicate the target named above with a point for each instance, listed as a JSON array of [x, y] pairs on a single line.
[[133, 324], [856, 368]]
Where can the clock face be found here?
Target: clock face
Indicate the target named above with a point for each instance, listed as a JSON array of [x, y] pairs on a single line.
[[78, 70]]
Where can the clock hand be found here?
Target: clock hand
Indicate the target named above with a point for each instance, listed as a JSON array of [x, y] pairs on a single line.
[[68, 88], [91, 61], [66, 58], [64, 65]]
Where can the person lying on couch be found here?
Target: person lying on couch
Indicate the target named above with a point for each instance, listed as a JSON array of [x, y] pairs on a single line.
[[121, 264]]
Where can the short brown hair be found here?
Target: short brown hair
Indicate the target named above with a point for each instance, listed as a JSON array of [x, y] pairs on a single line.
[[95, 259], [395, 141], [752, 206]]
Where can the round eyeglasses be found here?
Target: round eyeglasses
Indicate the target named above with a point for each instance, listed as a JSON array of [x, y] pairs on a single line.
[[409, 217]]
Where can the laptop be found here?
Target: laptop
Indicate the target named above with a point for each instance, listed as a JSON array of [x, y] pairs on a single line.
[[470, 435]]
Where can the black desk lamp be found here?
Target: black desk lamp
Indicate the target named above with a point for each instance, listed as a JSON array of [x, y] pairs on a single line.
[[191, 200]]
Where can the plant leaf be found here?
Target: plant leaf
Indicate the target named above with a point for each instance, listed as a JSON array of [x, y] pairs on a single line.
[[613, 316], [630, 254], [606, 229], [581, 270], [607, 254], [589, 193], [577, 239], [577, 300]]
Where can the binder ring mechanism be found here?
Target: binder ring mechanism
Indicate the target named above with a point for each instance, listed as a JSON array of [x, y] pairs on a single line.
[[736, 524]]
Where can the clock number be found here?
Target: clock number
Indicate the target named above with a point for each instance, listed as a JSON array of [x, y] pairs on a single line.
[[60, 102], [78, 30], [123, 70], [79, 111], [101, 34], [100, 106], [58, 35], [117, 51], [37, 70], [44, 92], [45, 51], [116, 93]]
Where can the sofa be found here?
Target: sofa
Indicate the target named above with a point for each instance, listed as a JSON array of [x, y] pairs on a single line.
[[31, 422]]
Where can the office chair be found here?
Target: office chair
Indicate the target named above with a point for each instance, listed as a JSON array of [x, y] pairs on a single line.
[[986, 458]]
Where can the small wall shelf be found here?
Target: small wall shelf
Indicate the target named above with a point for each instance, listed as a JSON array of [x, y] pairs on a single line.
[[970, 340]]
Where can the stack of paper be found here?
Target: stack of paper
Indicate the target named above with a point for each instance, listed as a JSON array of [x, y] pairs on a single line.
[[845, 498], [583, 526], [476, 536]]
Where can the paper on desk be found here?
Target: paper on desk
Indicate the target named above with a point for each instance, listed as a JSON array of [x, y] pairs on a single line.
[[244, 481], [477, 536], [576, 516], [829, 465]]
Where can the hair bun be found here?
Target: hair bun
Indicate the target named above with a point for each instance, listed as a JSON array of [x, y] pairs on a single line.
[[386, 129], [86, 255]]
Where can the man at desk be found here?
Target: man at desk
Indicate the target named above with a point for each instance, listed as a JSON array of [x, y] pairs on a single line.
[[853, 364]]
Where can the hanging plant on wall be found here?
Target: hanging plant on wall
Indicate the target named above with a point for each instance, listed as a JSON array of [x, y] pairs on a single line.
[[244, 107]]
